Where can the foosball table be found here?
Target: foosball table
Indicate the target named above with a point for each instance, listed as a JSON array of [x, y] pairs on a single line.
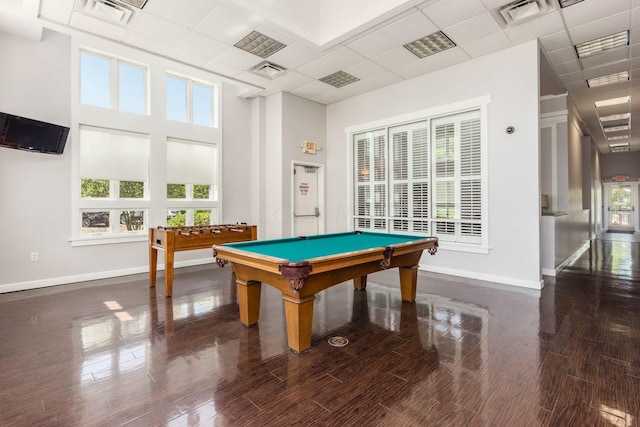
[[173, 239]]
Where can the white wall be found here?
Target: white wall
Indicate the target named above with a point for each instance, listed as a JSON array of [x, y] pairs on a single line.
[[513, 176], [35, 189], [289, 120]]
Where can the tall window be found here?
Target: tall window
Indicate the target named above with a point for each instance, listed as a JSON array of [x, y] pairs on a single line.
[[114, 176], [192, 182], [139, 129], [113, 83], [190, 101], [423, 177]]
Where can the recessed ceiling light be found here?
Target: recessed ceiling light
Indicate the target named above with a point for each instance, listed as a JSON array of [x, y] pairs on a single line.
[[259, 44], [603, 43], [339, 79], [567, 3], [619, 144], [615, 117], [615, 128], [612, 101], [613, 138], [608, 79], [433, 43]]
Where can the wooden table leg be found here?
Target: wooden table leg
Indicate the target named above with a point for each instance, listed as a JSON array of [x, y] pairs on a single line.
[[153, 266], [169, 252], [360, 283], [299, 314], [408, 282], [249, 301]]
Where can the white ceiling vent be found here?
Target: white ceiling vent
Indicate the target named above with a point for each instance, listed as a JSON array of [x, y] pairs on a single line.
[[521, 11], [106, 10], [268, 69]]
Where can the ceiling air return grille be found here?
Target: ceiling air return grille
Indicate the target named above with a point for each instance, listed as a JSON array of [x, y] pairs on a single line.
[[521, 11], [339, 79], [260, 44], [269, 70], [109, 11]]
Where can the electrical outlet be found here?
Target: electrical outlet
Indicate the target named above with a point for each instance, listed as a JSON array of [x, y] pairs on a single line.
[[34, 256]]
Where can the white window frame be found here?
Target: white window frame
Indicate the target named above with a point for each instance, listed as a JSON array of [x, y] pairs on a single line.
[[155, 124], [481, 104], [114, 81], [189, 98]]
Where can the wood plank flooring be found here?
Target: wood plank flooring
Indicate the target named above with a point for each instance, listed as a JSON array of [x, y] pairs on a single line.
[[468, 353]]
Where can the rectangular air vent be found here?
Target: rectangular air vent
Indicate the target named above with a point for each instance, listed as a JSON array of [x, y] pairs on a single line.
[[339, 79], [106, 10], [521, 11]]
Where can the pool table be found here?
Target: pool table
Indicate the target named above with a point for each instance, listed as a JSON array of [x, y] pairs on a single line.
[[302, 266]]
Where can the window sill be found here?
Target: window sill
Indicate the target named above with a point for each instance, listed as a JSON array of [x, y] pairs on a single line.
[[107, 239], [460, 247]]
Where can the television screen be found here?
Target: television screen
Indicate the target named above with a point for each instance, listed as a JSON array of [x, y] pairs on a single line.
[[32, 135]]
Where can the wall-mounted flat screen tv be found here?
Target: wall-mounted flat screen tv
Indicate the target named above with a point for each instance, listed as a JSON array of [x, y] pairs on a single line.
[[32, 135]]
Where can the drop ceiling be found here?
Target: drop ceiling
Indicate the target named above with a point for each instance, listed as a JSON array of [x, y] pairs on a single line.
[[366, 40]]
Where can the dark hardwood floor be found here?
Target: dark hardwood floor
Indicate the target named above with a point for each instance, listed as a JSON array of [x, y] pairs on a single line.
[[468, 353]]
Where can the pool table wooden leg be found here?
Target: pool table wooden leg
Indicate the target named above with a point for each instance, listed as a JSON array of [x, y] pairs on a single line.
[[408, 282], [299, 314], [249, 301], [360, 283]]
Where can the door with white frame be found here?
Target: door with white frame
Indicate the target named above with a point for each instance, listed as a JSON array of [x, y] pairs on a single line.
[[621, 206], [307, 199]]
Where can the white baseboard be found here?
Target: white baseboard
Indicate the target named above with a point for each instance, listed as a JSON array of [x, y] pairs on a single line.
[[529, 284], [65, 280]]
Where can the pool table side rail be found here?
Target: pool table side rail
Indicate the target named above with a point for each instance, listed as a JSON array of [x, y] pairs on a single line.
[[325, 263]]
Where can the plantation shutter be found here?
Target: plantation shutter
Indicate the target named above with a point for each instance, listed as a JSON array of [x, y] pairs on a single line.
[[410, 177], [470, 179], [370, 150], [458, 177]]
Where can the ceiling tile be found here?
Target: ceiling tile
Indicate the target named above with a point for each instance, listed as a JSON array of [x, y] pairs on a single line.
[[379, 81], [562, 55], [409, 29], [294, 55], [446, 13], [555, 41], [293, 80], [488, 44], [336, 60], [202, 45], [567, 67], [55, 12], [223, 69], [473, 28], [238, 58], [331, 96], [364, 70], [494, 4], [600, 28], [372, 44], [184, 12], [159, 29], [432, 63], [226, 25], [312, 89], [591, 10], [395, 58]]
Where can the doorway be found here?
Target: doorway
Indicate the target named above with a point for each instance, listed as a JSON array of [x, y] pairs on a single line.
[[621, 203], [307, 199]]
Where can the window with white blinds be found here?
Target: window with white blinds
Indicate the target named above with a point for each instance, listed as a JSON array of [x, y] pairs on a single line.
[[422, 178]]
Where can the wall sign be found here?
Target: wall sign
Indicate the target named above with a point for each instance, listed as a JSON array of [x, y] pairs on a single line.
[[309, 147]]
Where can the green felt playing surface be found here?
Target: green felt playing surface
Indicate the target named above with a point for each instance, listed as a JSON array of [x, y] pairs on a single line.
[[296, 249]]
